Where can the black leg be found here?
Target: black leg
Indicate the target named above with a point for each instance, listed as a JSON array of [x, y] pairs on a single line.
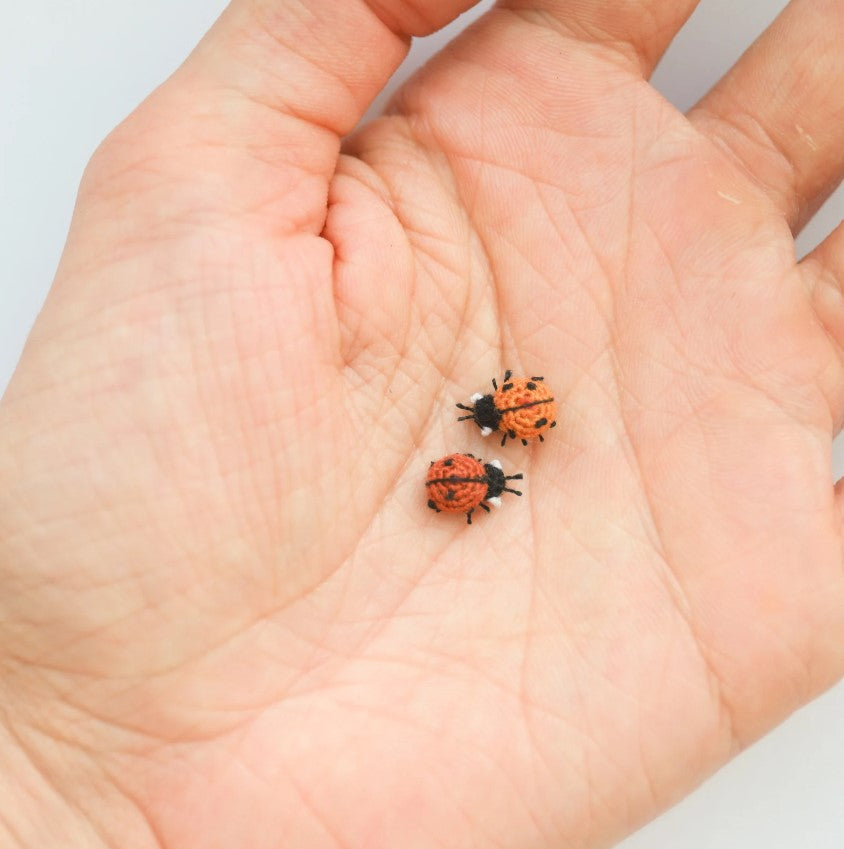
[[469, 516], [541, 438], [503, 440], [524, 442], [514, 491], [485, 507], [507, 375]]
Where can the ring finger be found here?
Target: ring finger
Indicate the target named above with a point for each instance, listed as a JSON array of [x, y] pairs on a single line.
[[780, 110]]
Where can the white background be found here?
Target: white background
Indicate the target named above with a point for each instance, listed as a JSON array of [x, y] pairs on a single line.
[[71, 69]]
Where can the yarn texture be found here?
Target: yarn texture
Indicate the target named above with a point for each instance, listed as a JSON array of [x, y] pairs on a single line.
[[456, 484], [527, 408]]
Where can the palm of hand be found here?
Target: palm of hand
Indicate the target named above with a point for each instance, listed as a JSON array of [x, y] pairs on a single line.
[[253, 617]]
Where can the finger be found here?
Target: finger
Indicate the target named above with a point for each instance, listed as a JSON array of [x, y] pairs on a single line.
[[823, 270], [829, 255], [261, 104], [780, 110], [825, 267], [638, 30]]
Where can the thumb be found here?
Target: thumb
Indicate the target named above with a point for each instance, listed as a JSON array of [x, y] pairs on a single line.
[[258, 109]]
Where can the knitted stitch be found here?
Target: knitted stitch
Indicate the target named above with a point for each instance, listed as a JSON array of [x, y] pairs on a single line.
[[527, 408], [456, 483]]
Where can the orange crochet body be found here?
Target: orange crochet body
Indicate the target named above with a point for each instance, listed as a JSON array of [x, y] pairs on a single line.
[[456, 484], [527, 408]]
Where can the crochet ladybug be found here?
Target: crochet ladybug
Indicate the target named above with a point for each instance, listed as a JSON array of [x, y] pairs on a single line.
[[522, 408], [460, 483]]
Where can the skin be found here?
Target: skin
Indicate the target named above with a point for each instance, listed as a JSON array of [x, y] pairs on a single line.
[[229, 619]]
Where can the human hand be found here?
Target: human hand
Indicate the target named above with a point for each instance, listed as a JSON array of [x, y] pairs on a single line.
[[229, 618]]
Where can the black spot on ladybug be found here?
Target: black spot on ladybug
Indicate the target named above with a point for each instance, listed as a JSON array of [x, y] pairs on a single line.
[[512, 434], [450, 495], [431, 504], [507, 387], [541, 423], [531, 385], [448, 462]]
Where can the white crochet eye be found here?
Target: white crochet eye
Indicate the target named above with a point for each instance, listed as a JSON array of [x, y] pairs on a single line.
[[475, 398], [496, 502], [497, 464], [486, 431]]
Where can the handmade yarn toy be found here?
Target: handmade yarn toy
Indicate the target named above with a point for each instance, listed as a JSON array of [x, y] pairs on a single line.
[[460, 483], [522, 408]]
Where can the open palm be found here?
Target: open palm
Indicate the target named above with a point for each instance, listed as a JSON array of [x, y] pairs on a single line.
[[228, 618]]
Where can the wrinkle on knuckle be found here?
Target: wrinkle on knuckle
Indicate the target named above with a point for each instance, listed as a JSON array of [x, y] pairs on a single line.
[[758, 154], [609, 41], [408, 18]]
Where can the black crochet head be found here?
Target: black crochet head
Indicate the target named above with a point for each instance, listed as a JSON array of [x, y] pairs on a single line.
[[484, 413], [496, 480]]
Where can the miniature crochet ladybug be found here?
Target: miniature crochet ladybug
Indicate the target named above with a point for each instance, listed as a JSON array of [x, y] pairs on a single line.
[[460, 483], [522, 408]]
